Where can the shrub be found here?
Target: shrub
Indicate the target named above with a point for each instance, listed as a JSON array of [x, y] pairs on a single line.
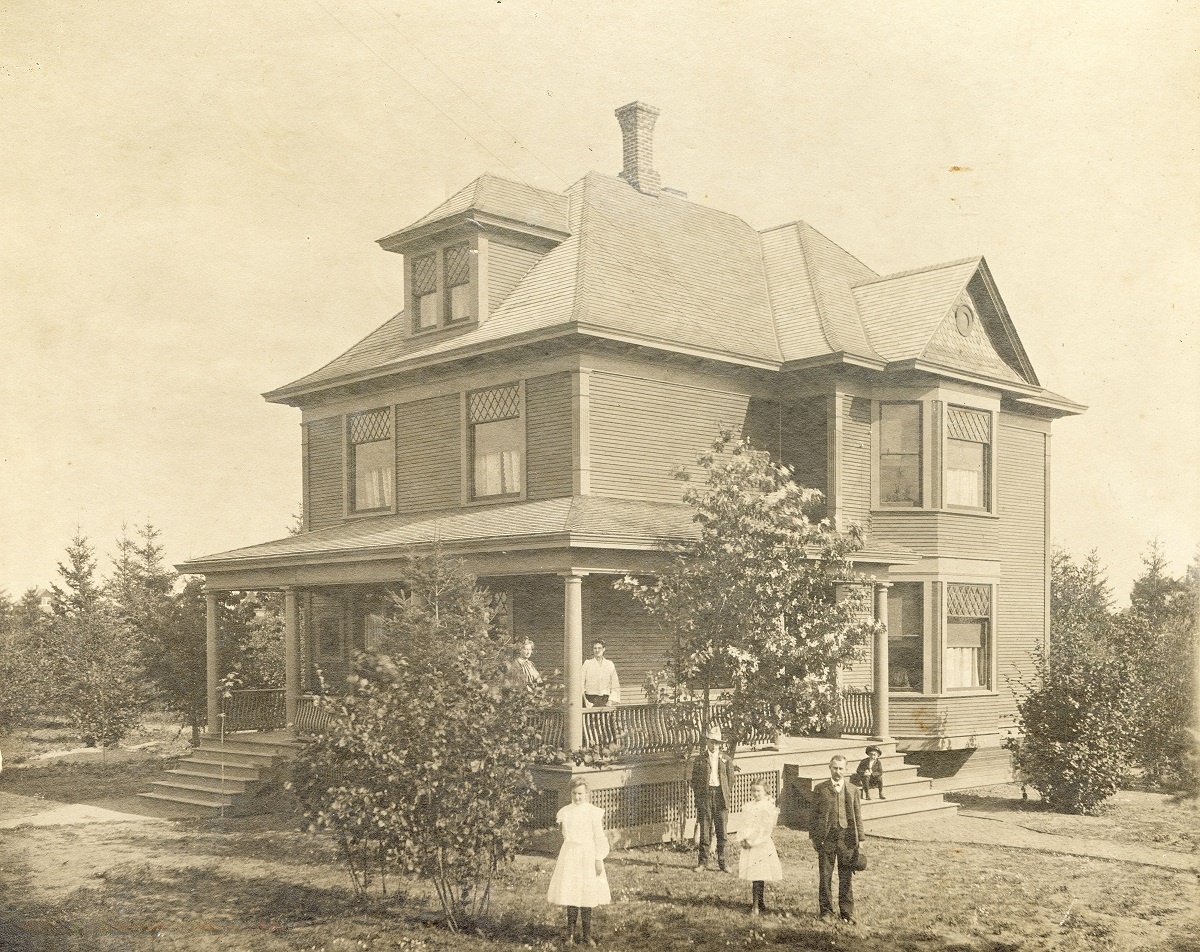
[[1080, 726], [424, 767]]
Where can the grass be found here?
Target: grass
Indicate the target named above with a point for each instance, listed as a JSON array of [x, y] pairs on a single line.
[[258, 883]]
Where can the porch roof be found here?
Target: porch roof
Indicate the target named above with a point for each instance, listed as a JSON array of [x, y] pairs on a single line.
[[579, 521]]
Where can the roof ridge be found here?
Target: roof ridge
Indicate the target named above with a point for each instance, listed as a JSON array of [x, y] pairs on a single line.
[[911, 271], [818, 297], [762, 260]]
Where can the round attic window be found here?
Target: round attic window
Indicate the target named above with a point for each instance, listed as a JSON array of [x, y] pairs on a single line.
[[964, 317]]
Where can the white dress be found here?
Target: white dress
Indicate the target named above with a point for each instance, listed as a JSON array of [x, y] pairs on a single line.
[[574, 881], [757, 825]]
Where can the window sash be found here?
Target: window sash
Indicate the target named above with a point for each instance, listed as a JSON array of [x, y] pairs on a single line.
[[900, 454], [966, 653], [497, 458], [966, 474], [374, 475]]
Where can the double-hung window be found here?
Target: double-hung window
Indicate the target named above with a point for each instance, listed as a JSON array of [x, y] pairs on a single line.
[[968, 458], [496, 432], [900, 454], [968, 623], [372, 460], [457, 278], [906, 641], [424, 294]]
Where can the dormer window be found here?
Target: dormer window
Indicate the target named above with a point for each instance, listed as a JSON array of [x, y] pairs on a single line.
[[458, 282], [424, 279], [442, 293]]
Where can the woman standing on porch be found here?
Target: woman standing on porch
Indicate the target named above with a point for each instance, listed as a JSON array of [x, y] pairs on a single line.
[[579, 881]]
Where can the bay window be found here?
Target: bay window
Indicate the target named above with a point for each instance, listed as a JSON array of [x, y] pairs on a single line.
[[968, 458], [968, 623], [906, 641], [900, 454]]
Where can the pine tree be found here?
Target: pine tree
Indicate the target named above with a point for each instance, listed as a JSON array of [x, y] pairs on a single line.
[[80, 594]]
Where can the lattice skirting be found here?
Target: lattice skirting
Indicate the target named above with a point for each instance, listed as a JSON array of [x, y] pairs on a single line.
[[656, 806]]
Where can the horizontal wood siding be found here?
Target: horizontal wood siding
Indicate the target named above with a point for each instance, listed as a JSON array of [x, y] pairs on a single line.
[[931, 533], [855, 483], [806, 443], [943, 716], [548, 436], [506, 267], [428, 454], [325, 502], [634, 642], [1021, 608], [642, 430]]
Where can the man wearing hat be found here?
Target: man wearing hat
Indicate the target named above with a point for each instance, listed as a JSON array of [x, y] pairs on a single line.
[[712, 785], [870, 773]]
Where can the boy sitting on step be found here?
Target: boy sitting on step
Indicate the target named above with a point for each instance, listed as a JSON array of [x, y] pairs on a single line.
[[870, 773]]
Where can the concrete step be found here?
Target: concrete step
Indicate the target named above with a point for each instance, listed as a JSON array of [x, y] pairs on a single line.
[[217, 784], [979, 777], [276, 747], [820, 757], [878, 824], [930, 801], [208, 755], [899, 772], [232, 771], [193, 797]]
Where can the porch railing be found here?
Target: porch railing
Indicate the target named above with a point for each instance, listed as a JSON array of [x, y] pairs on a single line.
[[856, 709], [310, 719], [254, 709]]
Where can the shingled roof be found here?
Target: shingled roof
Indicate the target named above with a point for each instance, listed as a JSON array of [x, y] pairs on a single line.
[[664, 273]]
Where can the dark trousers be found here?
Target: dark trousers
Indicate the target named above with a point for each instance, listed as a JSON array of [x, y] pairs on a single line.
[[597, 700], [712, 815], [838, 847]]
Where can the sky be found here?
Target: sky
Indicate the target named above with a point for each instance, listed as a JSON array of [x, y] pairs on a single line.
[[191, 194]]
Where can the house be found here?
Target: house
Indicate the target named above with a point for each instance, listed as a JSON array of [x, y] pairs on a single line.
[[557, 355]]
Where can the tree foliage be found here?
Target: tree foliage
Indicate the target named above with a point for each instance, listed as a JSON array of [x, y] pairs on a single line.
[[762, 603], [424, 767]]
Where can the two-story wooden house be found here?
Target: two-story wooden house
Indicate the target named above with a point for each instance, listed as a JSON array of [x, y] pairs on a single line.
[[558, 355]]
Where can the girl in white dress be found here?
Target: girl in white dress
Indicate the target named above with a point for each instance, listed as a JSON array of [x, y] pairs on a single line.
[[579, 881], [758, 860]]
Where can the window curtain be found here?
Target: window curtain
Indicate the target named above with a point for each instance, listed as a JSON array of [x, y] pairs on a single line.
[[497, 473]]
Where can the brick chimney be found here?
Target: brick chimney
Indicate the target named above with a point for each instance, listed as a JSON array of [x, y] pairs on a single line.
[[637, 131]]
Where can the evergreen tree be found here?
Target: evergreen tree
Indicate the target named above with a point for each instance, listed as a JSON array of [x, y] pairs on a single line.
[[80, 593]]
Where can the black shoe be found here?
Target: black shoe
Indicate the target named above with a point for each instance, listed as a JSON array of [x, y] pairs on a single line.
[[850, 920], [882, 797], [827, 917]]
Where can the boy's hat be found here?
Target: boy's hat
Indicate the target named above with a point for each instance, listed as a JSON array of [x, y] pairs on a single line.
[[874, 750], [713, 733]]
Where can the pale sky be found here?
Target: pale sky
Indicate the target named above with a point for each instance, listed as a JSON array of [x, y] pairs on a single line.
[[191, 195]]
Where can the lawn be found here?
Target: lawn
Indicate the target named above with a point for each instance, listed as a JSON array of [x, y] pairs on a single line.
[[259, 883]]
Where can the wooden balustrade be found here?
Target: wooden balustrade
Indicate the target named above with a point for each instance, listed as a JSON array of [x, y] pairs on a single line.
[[255, 709], [310, 718], [856, 709]]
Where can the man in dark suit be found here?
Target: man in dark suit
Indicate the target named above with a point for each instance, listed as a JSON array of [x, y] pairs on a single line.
[[712, 786], [836, 831]]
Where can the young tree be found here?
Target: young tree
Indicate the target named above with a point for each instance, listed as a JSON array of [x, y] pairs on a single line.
[[424, 767], [1158, 635], [1079, 708], [764, 603], [177, 660], [80, 592], [141, 585]]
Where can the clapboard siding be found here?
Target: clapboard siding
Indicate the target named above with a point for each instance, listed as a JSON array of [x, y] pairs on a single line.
[[548, 436], [1021, 606], [642, 430], [934, 533], [855, 482], [324, 504], [946, 716], [428, 454], [506, 267], [806, 443], [634, 642]]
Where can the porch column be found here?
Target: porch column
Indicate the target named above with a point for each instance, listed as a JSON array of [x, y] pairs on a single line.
[[291, 654], [573, 655], [882, 684], [212, 656]]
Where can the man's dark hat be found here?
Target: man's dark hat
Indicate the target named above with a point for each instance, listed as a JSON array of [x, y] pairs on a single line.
[[874, 750]]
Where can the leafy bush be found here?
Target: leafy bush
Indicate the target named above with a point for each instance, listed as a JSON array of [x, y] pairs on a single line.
[[1080, 727], [424, 767]]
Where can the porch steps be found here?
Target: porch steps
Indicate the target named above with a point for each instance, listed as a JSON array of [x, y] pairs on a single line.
[[907, 792], [223, 771]]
